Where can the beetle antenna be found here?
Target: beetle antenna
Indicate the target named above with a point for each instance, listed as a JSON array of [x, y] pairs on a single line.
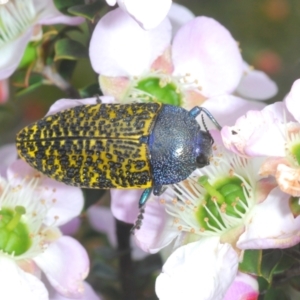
[[203, 122], [204, 125]]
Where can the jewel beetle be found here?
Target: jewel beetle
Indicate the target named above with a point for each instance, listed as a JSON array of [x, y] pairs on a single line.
[[128, 146]]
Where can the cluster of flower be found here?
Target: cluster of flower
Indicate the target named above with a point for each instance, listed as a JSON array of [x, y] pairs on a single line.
[[159, 51]]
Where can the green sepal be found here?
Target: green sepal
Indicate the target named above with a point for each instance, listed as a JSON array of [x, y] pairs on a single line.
[[88, 11], [90, 91], [35, 81], [270, 261], [69, 49], [294, 206], [251, 263], [64, 5]]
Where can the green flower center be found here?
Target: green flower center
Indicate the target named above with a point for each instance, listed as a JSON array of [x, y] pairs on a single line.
[[14, 235], [223, 201], [295, 150], [160, 90]]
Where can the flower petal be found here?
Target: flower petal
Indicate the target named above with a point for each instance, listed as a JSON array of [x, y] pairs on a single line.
[[148, 13], [4, 91], [282, 229], [119, 47], [64, 202], [89, 294], [48, 14], [68, 281], [124, 204], [101, 220], [256, 85], [288, 179], [257, 133], [206, 262], [292, 100], [205, 50], [157, 230], [8, 154], [227, 109], [179, 15], [17, 284], [11, 54], [244, 287], [63, 104]]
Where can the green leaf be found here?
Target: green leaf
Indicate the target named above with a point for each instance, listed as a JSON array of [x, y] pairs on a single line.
[[295, 283], [35, 81], [285, 263], [69, 49], [88, 11], [66, 68], [251, 262], [269, 263], [90, 91], [294, 206], [275, 294], [64, 5]]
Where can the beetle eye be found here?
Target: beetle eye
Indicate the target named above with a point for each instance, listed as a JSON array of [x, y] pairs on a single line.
[[202, 161]]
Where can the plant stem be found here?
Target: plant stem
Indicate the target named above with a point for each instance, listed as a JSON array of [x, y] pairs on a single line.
[[125, 262]]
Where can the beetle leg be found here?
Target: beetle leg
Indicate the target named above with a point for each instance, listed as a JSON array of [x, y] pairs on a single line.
[[98, 100], [144, 197], [194, 112]]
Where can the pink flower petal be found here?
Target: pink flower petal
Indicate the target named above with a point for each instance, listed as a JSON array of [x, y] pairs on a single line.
[[227, 109], [111, 2], [201, 270], [125, 204], [4, 91], [120, 47], [17, 284], [244, 287], [256, 134], [292, 100], [11, 54], [206, 50], [157, 229], [280, 230], [49, 14], [148, 13], [63, 104], [71, 227], [102, 220], [179, 15], [8, 154], [288, 179], [116, 87], [89, 294], [64, 202], [66, 265], [256, 85]]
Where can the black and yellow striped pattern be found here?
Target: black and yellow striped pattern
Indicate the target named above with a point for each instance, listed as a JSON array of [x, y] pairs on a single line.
[[93, 146]]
